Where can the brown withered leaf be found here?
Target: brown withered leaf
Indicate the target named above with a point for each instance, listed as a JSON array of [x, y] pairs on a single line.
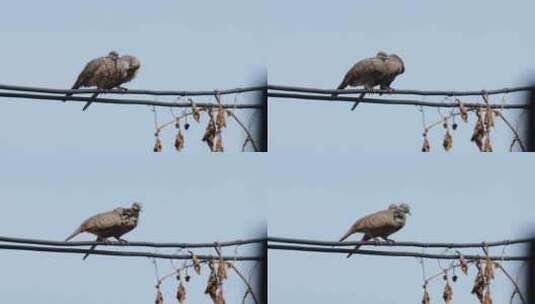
[[464, 265], [196, 263], [159, 297], [219, 144], [487, 298], [479, 286], [181, 293], [448, 141], [489, 270], [220, 118], [463, 111], [222, 270], [478, 134], [426, 299], [220, 299], [487, 145], [489, 118], [447, 294], [210, 134], [195, 111], [426, 146], [179, 140], [211, 287]]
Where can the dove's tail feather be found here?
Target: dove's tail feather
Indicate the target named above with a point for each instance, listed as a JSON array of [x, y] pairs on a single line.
[[75, 233], [346, 235], [75, 86], [364, 238], [342, 85], [89, 102], [90, 249], [357, 102]]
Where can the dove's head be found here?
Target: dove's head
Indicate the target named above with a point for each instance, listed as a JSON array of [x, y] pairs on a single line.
[[136, 207], [382, 55], [113, 55], [133, 65], [405, 208], [400, 64]]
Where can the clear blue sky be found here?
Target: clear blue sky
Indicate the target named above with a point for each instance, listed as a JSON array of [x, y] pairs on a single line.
[[192, 45], [196, 199], [445, 45], [452, 198]]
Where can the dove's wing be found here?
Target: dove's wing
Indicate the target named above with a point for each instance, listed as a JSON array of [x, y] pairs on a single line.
[[103, 224]]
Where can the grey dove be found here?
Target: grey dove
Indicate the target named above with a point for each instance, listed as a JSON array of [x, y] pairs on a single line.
[[380, 70], [114, 223], [106, 73], [380, 224]]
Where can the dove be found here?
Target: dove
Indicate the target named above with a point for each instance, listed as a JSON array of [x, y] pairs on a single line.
[[106, 73], [114, 223], [380, 224], [367, 72]]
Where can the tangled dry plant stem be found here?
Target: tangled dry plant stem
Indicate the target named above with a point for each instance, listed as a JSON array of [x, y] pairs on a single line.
[[517, 136], [515, 284], [247, 132], [246, 282]]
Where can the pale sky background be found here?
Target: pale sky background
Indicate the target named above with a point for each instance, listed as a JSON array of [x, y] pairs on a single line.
[[461, 45], [192, 45], [452, 198], [191, 200]]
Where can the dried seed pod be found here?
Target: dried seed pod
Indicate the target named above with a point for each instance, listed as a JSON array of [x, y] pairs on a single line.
[[463, 111], [489, 118], [157, 145], [426, 146], [448, 141], [464, 265], [159, 296], [195, 111], [179, 141], [181, 293], [426, 299], [445, 123], [196, 263], [447, 295]]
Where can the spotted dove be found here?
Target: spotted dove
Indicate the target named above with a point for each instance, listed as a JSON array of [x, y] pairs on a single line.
[[114, 223], [380, 224], [106, 73]]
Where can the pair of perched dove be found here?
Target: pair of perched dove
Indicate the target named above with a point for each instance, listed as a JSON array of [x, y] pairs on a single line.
[[380, 224], [107, 72], [380, 70], [114, 223]]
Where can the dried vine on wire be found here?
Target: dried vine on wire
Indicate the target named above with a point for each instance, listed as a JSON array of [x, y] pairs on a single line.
[[483, 128], [216, 277], [484, 276], [213, 133]]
